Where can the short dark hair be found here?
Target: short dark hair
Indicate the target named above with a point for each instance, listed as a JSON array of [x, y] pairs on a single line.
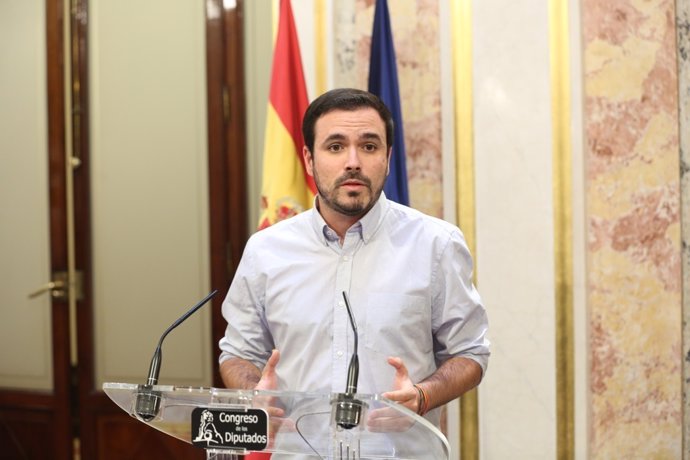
[[344, 99]]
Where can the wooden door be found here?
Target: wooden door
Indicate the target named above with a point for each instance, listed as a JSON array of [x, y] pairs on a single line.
[[122, 191], [162, 153], [35, 368]]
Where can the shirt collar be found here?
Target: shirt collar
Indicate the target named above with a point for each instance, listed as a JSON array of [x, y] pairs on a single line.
[[366, 226], [372, 220]]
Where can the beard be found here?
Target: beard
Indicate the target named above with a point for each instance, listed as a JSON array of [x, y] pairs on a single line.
[[354, 203]]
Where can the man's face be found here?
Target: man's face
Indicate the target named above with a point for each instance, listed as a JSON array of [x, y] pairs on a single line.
[[350, 161]]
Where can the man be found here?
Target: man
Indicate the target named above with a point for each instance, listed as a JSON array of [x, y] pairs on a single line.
[[422, 327]]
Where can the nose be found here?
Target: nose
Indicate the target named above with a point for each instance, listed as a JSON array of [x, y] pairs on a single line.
[[352, 161]]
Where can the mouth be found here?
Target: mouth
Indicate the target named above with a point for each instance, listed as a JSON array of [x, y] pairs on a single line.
[[353, 185], [354, 180]]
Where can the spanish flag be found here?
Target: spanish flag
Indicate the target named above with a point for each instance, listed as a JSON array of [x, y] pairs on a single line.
[[287, 189]]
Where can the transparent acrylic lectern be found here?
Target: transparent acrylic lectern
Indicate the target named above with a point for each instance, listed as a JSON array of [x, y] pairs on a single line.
[[289, 425]]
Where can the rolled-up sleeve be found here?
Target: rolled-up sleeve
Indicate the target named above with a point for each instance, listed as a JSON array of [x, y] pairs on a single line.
[[246, 335], [459, 319]]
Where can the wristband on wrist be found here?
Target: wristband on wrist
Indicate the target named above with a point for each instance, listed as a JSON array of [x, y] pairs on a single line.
[[422, 400]]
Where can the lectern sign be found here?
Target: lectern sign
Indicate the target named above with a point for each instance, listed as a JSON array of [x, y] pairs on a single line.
[[221, 428]]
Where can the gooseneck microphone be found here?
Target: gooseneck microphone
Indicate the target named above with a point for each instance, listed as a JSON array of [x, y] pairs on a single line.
[[348, 410], [353, 370], [148, 400]]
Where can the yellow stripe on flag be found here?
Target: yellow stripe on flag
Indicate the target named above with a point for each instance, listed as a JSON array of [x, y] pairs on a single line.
[[286, 193]]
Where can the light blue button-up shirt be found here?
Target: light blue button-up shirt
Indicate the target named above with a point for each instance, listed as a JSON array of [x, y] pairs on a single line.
[[408, 277]]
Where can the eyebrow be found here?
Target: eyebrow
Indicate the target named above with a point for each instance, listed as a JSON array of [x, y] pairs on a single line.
[[334, 137], [340, 137], [372, 136]]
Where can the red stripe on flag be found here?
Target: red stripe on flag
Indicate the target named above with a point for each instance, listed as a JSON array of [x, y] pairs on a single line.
[[288, 91]]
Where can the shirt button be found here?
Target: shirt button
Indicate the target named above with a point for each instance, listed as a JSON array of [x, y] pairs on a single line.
[[340, 353], [346, 258], [341, 304]]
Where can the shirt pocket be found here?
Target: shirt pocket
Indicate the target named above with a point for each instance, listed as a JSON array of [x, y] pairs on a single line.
[[398, 324]]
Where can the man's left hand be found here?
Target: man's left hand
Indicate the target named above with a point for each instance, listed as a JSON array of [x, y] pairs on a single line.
[[387, 419], [403, 391]]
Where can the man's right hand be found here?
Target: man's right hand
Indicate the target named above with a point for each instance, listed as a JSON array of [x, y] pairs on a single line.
[[269, 378], [242, 374], [269, 381]]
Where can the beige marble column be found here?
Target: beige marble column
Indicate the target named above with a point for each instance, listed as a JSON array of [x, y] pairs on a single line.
[[633, 205], [683, 37]]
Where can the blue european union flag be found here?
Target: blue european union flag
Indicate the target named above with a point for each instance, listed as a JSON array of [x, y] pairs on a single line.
[[383, 81]]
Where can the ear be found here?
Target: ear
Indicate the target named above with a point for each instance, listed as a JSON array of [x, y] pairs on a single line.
[[388, 161], [308, 160]]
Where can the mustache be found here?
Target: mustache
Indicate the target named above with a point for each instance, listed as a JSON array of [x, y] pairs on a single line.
[[355, 175]]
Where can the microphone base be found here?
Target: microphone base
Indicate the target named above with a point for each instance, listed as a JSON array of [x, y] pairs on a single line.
[[348, 411], [148, 403]]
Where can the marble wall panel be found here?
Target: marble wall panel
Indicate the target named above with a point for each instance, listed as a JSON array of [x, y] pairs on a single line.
[[633, 205]]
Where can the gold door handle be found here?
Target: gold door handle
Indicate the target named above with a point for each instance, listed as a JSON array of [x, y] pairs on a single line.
[[62, 289], [41, 290], [58, 288], [55, 287]]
